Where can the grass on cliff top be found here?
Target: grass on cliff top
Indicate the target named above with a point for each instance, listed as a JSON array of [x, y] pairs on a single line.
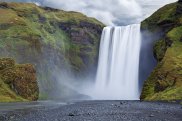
[[59, 15], [76, 17], [166, 13]]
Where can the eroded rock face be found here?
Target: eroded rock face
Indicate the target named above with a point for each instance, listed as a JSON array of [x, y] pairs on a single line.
[[21, 79], [165, 82]]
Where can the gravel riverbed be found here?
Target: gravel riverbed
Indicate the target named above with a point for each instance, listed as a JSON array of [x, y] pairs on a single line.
[[91, 111]]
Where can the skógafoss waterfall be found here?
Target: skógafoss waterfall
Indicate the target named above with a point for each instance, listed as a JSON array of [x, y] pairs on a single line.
[[118, 67]]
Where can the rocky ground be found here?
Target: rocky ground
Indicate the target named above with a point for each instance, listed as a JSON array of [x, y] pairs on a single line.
[[91, 111]]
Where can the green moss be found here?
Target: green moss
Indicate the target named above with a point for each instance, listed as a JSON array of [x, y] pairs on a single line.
[[160, 49], [175, 34], [173, 93], [165, 82], [167, 75], [7, 95], [17, 82]]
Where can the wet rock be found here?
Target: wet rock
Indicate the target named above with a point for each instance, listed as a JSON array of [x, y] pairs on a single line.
[[93, 27], [3, 5], [42, 19], [50, 9], [179, 8], [121, 103], [71, 114], [86, 49], [89, 114], [151, 115], [181, 39]]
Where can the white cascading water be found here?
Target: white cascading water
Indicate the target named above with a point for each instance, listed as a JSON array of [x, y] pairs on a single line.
[[118, 67]]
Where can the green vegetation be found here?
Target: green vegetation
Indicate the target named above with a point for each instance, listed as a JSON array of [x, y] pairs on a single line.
[[165, 15], [17, 82], [27, 27], [45, 36], [165, 82]]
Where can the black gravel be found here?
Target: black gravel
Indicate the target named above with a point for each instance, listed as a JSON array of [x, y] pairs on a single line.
[[93, 111]]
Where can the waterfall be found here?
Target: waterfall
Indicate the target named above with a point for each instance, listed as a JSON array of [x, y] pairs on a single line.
[[118, 68]]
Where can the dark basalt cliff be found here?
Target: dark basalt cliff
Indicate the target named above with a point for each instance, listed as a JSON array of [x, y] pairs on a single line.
[[51, 39], [165, 82]]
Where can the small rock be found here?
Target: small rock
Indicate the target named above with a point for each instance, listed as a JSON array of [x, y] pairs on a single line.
[[12, 117], [121, 103], [151, 115], [71, 114]]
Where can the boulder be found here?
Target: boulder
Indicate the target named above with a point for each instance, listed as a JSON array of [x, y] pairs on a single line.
[[21, 79]]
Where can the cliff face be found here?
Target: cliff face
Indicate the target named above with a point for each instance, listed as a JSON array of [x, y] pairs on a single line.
[[165, 82], [31, 30], [50, 39], [18, 82]]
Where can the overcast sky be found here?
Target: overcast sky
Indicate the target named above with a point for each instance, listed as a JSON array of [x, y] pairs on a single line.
[[110, 12]]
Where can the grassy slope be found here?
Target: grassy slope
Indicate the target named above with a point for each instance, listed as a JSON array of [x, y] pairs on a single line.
[[165, 82], [43, 36]]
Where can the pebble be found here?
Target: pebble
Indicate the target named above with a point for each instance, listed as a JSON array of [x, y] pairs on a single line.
[[151, 115], [71, 114]]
